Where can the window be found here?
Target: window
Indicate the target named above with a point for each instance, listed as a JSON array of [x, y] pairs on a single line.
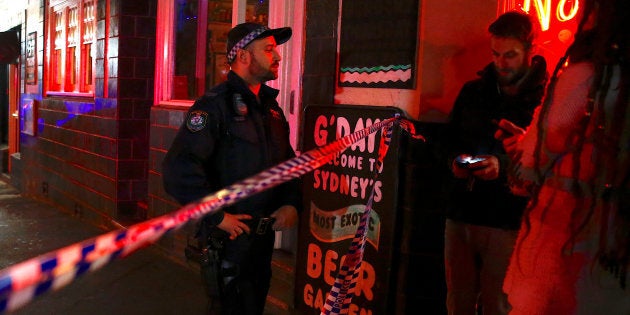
[[193, 34], [72, 35]]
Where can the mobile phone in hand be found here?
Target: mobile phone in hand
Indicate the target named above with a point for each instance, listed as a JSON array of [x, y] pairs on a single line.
[[468, 161]]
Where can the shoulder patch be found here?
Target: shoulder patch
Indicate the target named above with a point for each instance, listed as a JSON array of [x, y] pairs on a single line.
[[197, 120]]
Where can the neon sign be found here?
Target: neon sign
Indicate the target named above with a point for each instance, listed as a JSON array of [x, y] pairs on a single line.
[[543, 10], [561, 13], [558, 20]]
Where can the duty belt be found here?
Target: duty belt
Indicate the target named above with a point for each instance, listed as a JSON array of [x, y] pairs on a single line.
[[263, 225]]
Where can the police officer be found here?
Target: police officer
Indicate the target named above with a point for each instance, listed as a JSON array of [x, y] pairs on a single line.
[[233, 132]]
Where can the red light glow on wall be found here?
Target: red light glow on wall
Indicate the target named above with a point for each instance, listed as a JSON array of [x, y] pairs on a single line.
[[558, 20]]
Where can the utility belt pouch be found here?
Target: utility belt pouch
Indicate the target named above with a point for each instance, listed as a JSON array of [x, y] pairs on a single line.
[[210, 269], [264, 225], [210, 240]]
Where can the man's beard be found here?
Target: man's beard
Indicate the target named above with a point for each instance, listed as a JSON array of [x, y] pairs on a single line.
[[512, 79], [261, 73]]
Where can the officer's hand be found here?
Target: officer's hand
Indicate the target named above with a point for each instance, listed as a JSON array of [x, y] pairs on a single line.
[[233, 224], [487, 169], [286, 217]]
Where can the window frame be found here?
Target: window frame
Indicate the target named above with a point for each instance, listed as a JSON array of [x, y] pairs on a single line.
[[165, 50], [71, 48]]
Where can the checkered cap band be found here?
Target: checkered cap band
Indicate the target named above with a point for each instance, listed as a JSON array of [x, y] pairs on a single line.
[[246, 40]]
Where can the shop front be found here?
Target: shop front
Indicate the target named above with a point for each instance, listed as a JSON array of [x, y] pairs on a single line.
[[101, 87]]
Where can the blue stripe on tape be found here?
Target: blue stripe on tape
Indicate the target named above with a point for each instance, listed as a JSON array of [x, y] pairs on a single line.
[[43, 287], [5, 290], [46, 266], [5, 286], [122, 235], [83, 265]]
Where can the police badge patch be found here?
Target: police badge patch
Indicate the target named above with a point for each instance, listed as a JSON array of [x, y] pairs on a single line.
[[197, 120]]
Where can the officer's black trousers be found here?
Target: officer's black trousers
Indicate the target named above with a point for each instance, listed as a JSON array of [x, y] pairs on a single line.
[[246, 274]]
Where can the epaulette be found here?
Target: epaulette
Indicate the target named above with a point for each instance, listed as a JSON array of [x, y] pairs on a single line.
[[197, 117], [216, 90]]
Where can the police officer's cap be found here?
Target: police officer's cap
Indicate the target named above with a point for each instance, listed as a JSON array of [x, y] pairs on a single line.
[[243, 34]]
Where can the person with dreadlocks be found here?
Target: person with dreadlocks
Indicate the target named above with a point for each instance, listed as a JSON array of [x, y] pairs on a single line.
[[572, 252]]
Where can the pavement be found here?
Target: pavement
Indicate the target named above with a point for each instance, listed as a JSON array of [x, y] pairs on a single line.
[[146, 282]]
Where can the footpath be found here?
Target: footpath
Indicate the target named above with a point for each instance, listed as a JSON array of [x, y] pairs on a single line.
[[146, 282]]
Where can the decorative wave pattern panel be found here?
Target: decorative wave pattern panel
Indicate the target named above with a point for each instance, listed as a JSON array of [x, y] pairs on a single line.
[[377, 74]]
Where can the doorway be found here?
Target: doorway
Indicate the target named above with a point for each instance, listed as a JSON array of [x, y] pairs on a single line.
[[9, 96], [9, 123]]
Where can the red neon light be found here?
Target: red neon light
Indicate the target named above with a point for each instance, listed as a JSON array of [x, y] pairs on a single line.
[[560, 10], [543, 11]]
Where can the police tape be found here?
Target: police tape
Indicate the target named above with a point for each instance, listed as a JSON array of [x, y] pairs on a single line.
[[22, 282], [340, 296]]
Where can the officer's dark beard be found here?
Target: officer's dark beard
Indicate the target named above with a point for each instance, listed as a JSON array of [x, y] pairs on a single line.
[[262, 74]]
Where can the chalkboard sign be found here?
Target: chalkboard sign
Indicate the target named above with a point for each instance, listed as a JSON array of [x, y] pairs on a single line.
[[378, 43], [335, 196]]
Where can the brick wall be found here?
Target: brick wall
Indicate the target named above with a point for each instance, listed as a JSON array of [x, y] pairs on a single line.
[[318, 79], [90, 155], [131, 71], [164, 125]]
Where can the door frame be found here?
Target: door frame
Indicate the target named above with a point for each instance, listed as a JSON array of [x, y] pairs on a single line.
[[14, 113], [289, 13]]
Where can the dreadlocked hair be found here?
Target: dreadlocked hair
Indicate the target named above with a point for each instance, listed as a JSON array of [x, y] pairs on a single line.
[[606, 45]]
